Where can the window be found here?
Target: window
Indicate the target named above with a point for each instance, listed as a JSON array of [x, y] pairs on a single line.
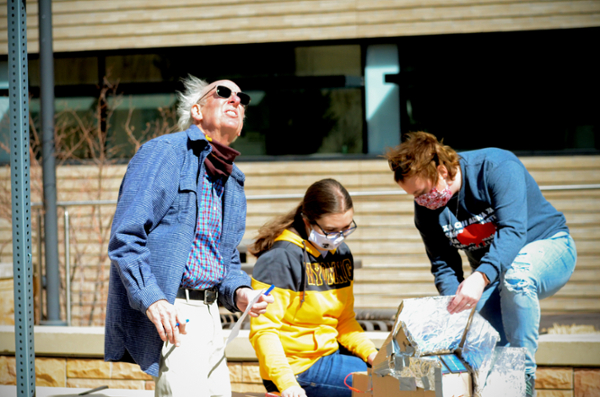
[[528, 92], [309, 95], [303, 121]]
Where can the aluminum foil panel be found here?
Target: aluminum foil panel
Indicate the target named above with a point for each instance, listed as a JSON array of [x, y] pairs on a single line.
[[478, 350], [423, 371], [432, 330], [507, 376]]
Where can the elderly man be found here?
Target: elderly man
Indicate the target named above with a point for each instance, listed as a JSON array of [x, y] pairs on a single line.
[[173, 247]]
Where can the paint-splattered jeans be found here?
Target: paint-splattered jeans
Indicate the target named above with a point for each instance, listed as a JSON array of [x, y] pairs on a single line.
[[512, 303]]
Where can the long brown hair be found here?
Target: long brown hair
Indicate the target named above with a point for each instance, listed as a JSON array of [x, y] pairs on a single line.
[[323, 197], [420, 154]]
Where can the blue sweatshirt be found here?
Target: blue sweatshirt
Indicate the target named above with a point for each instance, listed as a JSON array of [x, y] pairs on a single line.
[[498, 210]]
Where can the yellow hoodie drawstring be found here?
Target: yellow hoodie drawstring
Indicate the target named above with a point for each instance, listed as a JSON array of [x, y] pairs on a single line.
[[306, 262]]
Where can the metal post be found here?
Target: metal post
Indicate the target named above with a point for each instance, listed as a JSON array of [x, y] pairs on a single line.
[[21, 197], [67, 268], [48, 164], [41, 283]]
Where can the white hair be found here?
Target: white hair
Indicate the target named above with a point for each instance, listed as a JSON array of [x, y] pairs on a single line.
[[194, 88]]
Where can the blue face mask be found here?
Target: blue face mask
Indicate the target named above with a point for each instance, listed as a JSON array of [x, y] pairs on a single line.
[[324, 242]]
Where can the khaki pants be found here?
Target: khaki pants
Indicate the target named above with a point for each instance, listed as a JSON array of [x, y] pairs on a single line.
[[198, 367]]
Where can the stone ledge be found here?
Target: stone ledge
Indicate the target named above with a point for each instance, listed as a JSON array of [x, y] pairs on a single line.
[[574, 349], [579, 350], [58, 341]]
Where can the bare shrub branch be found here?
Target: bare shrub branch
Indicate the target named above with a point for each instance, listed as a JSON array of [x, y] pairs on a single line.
[[82, 137]]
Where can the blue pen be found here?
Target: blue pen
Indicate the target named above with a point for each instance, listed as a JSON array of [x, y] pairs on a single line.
[[187, 320], [269, 290]]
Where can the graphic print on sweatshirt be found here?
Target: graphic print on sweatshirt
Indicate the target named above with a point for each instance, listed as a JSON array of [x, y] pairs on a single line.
[[326, 275], [473, 233]]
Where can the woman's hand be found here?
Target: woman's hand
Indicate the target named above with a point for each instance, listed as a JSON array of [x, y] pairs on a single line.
[[293, 391], [371, 358], [468, 293]]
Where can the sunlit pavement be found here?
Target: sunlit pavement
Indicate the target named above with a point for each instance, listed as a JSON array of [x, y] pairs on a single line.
[[11, 391]]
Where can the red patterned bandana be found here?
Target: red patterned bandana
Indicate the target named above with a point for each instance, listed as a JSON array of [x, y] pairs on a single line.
[[435, 199]]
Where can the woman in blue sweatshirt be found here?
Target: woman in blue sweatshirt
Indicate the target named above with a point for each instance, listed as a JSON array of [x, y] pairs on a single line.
[[486, 203]]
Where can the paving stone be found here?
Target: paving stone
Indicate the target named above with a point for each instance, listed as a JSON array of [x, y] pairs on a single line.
[[88, 368], [128, 371], [235, 372], [587, 383], [247, 388], [8, 370], [555, 393], [554, 378], [251, 373], [51, 372], [111, 383]]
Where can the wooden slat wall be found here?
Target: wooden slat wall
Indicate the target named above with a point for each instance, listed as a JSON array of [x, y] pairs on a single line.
[[84, 25], [394, 262]]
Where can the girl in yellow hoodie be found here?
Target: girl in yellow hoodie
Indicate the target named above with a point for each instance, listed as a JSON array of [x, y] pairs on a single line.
[[309, 340]]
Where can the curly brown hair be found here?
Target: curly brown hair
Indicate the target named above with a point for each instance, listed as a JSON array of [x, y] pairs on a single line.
[[323, 197], [420, 154]]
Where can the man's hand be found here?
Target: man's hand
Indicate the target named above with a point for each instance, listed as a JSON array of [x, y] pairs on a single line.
[[243, 296], [468, 293], [293, 391], [165, 316]]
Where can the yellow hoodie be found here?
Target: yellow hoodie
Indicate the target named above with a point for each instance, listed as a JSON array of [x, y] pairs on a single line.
[[313, 309]]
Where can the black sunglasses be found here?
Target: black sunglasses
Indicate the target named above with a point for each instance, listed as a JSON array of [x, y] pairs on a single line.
[[225, 92]]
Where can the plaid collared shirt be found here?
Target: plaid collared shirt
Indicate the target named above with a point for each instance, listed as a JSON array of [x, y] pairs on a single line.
[[204, 268]]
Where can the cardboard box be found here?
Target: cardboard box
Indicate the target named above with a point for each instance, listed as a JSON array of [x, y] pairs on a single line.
[[426, 354], [455, 385], [455, 381], [388, 386], [361, 381]]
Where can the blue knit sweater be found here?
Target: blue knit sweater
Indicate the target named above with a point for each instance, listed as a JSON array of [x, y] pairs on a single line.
[[498, 210]]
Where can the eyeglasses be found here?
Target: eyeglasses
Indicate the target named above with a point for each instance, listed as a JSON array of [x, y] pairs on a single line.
[[225, 92], [334, 235]]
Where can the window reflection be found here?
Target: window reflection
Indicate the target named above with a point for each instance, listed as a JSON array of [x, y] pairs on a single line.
[[303, 122]]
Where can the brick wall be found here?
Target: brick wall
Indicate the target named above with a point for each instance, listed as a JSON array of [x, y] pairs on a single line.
[[245, 377], [75, 372], [92, 373], [568, 382]]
